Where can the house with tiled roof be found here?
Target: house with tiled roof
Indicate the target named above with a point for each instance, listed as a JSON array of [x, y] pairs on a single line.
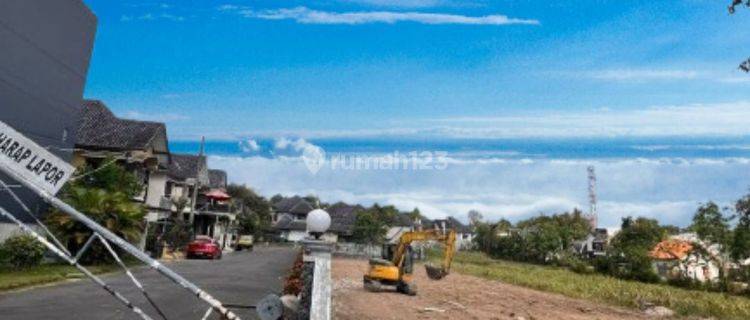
[[685, 256], [464, 234], [141, 147], [295, 207], [291, 226]]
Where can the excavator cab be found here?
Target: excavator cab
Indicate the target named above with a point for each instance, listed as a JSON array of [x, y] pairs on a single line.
[[396, 267]]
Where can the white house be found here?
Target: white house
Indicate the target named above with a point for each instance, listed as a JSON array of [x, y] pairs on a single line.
[[464, 234], [685, 256]]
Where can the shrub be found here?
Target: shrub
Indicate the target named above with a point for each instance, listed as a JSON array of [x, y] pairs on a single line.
[[574, 263], [23, 251], [293, 283]]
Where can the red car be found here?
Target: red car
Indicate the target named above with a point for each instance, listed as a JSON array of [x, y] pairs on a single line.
[[203, 247]]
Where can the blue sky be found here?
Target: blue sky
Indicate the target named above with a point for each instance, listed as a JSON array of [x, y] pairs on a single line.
[[230, 69], [658, 80]]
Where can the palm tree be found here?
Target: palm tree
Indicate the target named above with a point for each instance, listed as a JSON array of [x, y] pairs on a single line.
[[113, 210]]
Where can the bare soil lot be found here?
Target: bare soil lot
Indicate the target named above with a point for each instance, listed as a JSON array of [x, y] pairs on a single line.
[[456, 297]]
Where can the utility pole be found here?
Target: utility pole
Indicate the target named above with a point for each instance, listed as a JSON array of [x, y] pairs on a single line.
[[197, 186]]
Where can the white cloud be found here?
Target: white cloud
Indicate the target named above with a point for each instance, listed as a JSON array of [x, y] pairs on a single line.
[[650, 75], [667, 189], [294, 147], [152, 17], [228, 7], [679, 120], [642, 74], [310, 16], [249, 146], [401, 3]]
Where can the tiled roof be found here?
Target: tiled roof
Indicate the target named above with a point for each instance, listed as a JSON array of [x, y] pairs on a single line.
[[288, 223], [454, 224], [217, 178], [186, 166], [100, 128], [296, 205], [403, 220], [343, 217], [671, 250]]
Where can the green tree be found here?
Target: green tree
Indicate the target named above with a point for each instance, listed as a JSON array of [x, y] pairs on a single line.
[[415, 214], [111, 177], [22, 251], [372, 223], [474, 217], [710, 224], [276, 198], [369, 227], [254, 210], [113, 210], [627, 256], [104, 195], [745, 65], [546, 237], [485, 236], [740, 243]]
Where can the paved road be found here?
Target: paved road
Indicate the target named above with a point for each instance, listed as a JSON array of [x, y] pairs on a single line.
[[239, 278]]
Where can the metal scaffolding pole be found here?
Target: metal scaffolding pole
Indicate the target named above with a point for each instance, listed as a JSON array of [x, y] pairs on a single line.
[[124, 245]]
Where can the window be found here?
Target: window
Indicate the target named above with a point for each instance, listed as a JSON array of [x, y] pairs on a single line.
[[168, 190]]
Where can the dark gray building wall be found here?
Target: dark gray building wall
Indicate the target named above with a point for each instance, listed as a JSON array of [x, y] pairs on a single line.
[[45, 48]]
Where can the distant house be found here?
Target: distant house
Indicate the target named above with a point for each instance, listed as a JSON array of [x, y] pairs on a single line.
[[343, 219], [464, 234], [686, 257], [141, 147], [292, 227], [214, 214], [594, 245], [296, 208], [186, 174], [404, 223]]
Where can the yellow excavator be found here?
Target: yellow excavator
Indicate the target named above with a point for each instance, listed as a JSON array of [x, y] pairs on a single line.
[[396, 266]]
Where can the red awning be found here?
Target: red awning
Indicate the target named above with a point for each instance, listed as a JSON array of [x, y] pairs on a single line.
[[218, 195]]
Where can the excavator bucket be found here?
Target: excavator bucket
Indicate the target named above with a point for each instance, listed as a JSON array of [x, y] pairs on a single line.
[[434, 272]]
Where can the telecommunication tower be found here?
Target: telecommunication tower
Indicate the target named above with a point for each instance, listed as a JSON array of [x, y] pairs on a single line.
[[592, 197]]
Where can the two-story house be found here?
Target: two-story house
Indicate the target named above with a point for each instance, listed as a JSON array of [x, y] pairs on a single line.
[[215, 216], [139, 146]]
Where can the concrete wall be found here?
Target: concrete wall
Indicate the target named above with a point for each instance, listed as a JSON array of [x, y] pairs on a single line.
[[45, 47], [157, 182], [299, 235], [8, 230], [358, 250]]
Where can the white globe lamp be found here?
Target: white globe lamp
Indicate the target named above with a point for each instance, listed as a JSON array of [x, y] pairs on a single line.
[[318, 222]]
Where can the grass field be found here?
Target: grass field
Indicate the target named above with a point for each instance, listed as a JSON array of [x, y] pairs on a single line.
[[16, 279], [602, 288]]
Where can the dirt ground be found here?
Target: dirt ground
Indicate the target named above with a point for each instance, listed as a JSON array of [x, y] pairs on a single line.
[[456, 297]]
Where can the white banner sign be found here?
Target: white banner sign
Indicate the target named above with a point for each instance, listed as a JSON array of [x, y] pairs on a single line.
[[23, 158]]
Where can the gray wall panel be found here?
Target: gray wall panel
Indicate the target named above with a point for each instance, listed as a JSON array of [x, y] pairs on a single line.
[[45, 49]]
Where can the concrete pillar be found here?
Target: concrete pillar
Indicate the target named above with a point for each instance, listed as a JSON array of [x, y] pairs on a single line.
[[319, 253]]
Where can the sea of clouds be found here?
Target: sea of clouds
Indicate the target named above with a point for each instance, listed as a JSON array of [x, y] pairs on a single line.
[[669, 189]]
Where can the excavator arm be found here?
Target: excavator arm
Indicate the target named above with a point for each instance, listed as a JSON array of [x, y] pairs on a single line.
[[447, 238]]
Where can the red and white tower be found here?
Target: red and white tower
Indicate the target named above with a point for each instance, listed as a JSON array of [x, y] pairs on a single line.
[[592, 216]]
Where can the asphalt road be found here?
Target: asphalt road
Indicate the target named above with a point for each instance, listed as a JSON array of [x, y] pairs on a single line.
[[239, 278]]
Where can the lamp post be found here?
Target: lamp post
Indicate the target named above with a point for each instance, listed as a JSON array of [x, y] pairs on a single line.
[[318, 222], [316, 297]]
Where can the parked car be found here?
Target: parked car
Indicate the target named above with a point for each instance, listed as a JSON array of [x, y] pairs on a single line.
[[204, 247], [244, 242]]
